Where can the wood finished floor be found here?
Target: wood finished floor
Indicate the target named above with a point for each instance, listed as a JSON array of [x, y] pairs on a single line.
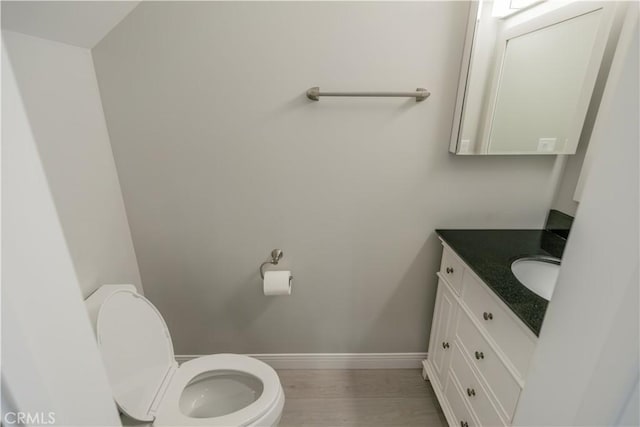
[[359, 397]]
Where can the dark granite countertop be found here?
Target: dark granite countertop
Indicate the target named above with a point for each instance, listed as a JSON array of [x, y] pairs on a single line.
[[489, 253]]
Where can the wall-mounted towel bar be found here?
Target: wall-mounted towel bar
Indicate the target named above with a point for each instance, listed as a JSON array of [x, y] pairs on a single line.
[[420, 94]]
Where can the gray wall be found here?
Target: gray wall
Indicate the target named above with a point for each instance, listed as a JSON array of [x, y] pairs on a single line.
[[221, 158]]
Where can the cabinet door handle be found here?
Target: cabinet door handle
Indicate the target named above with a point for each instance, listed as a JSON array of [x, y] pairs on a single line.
[[487, 316], [445, 345], [479, 355], [464, 424], [471, 392], [449, 270]]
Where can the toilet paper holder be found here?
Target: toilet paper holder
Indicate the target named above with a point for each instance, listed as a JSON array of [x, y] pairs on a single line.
[[276, 255]]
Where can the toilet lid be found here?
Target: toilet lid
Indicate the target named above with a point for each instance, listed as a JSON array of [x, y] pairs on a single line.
[[137, 351]]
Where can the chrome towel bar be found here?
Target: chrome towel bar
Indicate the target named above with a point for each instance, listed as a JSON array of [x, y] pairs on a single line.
[[420, 94]]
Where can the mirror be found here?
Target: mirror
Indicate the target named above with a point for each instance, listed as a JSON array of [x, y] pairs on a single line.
[[528, 76]]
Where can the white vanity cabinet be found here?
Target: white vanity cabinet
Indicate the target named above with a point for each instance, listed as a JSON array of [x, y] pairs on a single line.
[[443, 333], [479, 351]]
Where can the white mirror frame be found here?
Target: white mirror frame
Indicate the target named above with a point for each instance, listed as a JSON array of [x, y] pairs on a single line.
[[552, 17], [465, 72]]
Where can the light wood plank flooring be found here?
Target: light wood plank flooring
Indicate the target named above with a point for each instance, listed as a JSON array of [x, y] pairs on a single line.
[[359, 397]]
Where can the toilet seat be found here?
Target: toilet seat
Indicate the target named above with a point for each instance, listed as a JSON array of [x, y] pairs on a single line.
[[169, 413], [145, 378]]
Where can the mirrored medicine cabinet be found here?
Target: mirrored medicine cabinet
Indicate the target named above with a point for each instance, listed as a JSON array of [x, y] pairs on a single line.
[[527, 78]]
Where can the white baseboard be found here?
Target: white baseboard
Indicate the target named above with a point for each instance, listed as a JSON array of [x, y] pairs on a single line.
[[336, 360]]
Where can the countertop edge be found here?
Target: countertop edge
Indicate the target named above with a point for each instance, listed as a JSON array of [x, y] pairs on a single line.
[[534, 302]]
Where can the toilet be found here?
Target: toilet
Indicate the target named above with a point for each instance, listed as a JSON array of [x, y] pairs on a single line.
[[149, 386]]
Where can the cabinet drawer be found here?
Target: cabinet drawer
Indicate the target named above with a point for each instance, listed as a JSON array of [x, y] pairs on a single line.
[[495, 374], [516, 343], [476, 394], [453, 394], [452, 269]]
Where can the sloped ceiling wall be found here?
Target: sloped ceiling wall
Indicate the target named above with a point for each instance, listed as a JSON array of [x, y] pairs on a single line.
[[78, 23]]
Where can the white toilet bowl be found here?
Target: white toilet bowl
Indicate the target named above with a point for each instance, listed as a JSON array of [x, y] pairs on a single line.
[[222, 390], [149, 386]]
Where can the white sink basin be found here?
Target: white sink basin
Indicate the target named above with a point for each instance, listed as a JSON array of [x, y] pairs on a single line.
[[539, 274]]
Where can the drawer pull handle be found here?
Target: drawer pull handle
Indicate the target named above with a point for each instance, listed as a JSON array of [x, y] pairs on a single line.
[[471, 392], [479, 355], [445, 345], [487, 316], [449, 270], [464, 424]]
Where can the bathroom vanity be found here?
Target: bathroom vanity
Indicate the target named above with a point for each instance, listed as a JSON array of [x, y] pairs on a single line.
[[485, 324]]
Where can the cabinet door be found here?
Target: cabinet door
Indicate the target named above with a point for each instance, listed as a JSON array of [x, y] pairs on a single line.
[[441, 341]]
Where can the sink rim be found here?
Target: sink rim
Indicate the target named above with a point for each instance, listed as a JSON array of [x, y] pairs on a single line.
[[542, 258], [542, 291]]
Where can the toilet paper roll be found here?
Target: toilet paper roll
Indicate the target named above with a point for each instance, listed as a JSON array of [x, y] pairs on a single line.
[[277, 282]]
